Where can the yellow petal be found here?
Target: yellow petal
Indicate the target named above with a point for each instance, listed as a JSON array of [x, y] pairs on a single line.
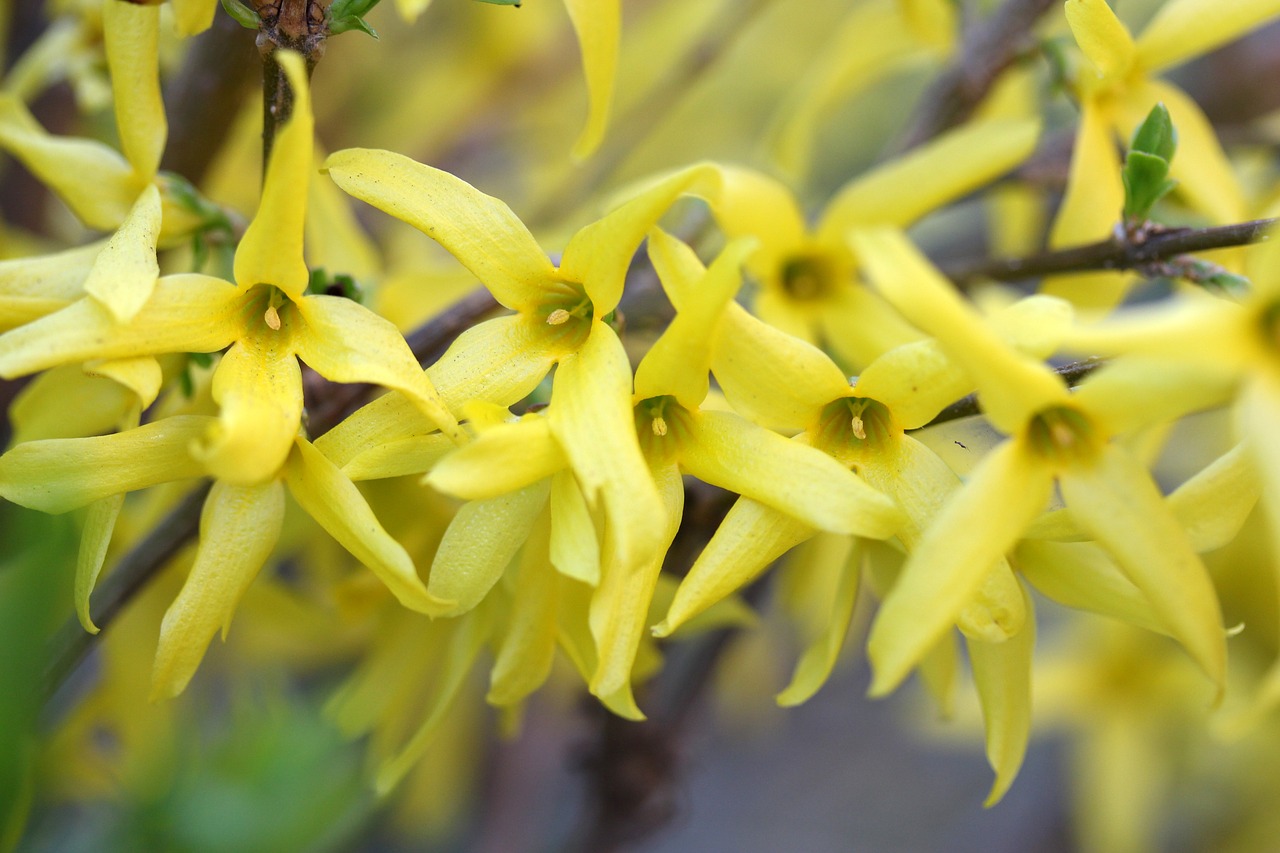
[[40, 410], [238, 530], [258, 388], [186, 313], [997, 610], [859, 326], [915, 381], [345, 342], [1214, 503], [620, 606], [1081, 575], [1115, 501], [599, 255], [479, 230], [33, 287], [1012, 386], [819, 657], [94, 180], [1133, 392], [337, 506], [1102, 37], [575, 548], [271, 250], [193, 17], [1182, 29], [501, 459], [751, 537], [777, 380], [132, 35], [954, 557], [727, 451], [497, 361], [479, 543], [401, 457], [1002, 674], [528, 643], [125, 274], [929, 177], [592, 418], [142, 376], [387, 419], [679, 362], [598, 24], [1095, 195], [95, 538], [61, 474]]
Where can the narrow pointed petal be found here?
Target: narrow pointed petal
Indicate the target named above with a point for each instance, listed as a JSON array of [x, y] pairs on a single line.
[[820, 656], [954, 557], [1095, 194], [1183, 29], [751, 537], [1080, 575], [337, 506], [527, 646], [479, 543], [466, 640], [930, 177], [192, 17], [772, 378], [1002, 674], [93, 179], [33, 287], [258, 388], [575, 548], [1214, 503], [132, 35], [620, 606], [592, 418], [728, 451], [1256, 411], [61, 474], [125, 274], [238, 530], [143, 376], [497, 361], [1012, 385], [500, 460], [345, 342], [1102, 36], [389, 418], [679, 362], [1134, 392], [479, 230], [599, 255], [598, 24], [95, 538], [402, 457], [1115, 501], [186, 313], [271, 250]]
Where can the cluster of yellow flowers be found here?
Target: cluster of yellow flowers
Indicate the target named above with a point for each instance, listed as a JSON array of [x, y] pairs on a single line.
[[537, 471]]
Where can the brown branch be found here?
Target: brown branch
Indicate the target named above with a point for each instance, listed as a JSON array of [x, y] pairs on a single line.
[[297, 25], [988, 49], [1152, 248]]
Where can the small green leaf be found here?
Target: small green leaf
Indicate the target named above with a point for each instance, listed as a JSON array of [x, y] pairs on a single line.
[[342, 25], [242, 14], [345, 15], [1156, 135]]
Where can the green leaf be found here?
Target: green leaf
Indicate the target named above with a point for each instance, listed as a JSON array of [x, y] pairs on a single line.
[[342, 25], [243, 15], [1146, 167], [342, 9], [515, 3]]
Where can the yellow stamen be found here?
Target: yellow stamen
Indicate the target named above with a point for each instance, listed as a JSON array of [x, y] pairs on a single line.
[[859, 429], [659, 426], [273, 318], [558, 317]]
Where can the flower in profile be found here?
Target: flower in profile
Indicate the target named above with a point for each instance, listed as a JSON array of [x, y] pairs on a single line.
[[1054, 437]]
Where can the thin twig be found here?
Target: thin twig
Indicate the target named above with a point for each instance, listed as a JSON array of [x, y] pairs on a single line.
[[1114, 253], [988, 49], [968, 406]]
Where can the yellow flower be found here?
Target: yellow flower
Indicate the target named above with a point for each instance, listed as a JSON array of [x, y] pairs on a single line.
[[267, 318], [1055, 436], [808, 286]]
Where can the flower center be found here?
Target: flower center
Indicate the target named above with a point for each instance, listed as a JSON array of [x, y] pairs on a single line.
[[1064, 434], [569, 311], [660, 421], [808, 277], [851, 426]]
